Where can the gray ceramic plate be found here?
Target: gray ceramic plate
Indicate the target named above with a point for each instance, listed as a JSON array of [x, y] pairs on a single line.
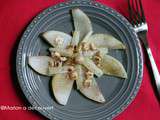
[[118, 92]]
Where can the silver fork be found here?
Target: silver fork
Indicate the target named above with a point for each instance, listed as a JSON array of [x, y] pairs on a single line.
[[139, 23]]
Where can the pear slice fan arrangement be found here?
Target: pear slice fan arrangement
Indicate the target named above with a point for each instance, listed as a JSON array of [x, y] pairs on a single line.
[[78, 58]]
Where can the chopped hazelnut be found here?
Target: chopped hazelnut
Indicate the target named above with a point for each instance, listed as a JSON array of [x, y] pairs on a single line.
[[71, 69], [70, 61], [98, 54], [63, 59], [52, 54], [92, 46], [75, 49], [98, 64], [85, 46], [97, 58], [73, 75], [87, 83], [80, 48], [79, 59], [58, 63], [57, 54], [89, 75], [70, 47], [59, 40], [51, 64], [54, 63]]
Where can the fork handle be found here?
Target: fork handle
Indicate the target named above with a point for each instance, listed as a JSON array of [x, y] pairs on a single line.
[[154, 69]]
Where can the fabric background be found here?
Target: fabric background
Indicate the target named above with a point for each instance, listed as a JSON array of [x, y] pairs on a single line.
[[15, 15]]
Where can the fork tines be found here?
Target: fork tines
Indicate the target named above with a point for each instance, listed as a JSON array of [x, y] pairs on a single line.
[[136, 12]]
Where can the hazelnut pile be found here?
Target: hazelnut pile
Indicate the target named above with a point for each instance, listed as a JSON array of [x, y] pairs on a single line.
[[58, 60]]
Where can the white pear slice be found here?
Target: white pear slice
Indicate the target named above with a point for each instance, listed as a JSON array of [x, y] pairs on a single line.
[[52, 36], [93, 92], [106, 40], [82, 22], [57, 70], [40, 64], [90, 65], [61, 87], [87, 36], [111, 66], [81, 77], [75, 38]]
